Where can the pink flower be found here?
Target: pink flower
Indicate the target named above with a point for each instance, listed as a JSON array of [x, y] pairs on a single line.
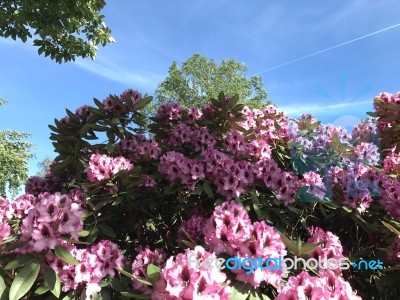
[[328, 286], [169, 112], [191, 230], [103, 167], [367, 152], [144, 257], [35, 185], [264, 242], [94, 264], [180, 281], [53, 216], [391, 163], [331, 248], [178, 167], [5, 230], [393, 251], [228, 227]]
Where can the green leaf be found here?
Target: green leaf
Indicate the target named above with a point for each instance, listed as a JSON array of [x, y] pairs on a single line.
[[137, 296], [189, 244], [3, 290], [65, 255], [107, 230], [70, 296], [41, 290], [240, 291], [254, 196], [207, 189], [24, 281], [19, 261], [391, 228], [110, 148], [120, 285], [257, 295], [52, 281], [306, 248], [125, 273], [84, 233], [92, 236], [153, 273], [84, 130], [289, 244], [142, 103], [141, 280], [197, 191]]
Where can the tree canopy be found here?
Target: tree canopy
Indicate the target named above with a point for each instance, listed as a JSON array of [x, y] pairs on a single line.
[[200, 79], [61, 29], [44, 166], [14, 156]]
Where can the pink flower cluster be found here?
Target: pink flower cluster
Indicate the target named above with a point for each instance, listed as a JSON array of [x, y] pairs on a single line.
[[15, 210], [393, 252], [361, 183], [330, 248], [314, 182], [228, 227], [366, 131], [231, 178], [94, 264], [136, 150], [169, 112], [110, 105], [83, 113], [144, 257], [328, 286], [358, 188], [323, 135], [393, 99], [284, 184], [200, 138], [268, 124], [178, 167], [367, 152], [52, 217], [179, 281], [391, 163], [102, 167], [5, 229], [390, 197], [191, 229], [194, 114], [229, 230], [36, 185], [236, 144], [147, 181], [19, 208]]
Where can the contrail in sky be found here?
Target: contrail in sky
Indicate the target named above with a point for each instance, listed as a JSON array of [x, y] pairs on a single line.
[[328, 49]]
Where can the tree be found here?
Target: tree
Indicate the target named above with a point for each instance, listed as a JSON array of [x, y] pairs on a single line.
[[44, 166], [14, 156], [63, 30], [201, 78]]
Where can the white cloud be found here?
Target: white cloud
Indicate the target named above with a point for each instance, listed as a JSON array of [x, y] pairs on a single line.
[[314, 108], [103, 68]]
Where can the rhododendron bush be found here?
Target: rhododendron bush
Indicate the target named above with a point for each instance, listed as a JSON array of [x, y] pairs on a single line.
[[123, 209]]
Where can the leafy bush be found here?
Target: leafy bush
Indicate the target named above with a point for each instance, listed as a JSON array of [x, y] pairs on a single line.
[[124, 218]]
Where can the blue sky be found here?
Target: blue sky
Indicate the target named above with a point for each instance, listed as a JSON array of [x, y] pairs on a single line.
[[337, 86]]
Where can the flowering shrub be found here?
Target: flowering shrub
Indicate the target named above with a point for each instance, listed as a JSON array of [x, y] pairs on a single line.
[[121, 219]]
